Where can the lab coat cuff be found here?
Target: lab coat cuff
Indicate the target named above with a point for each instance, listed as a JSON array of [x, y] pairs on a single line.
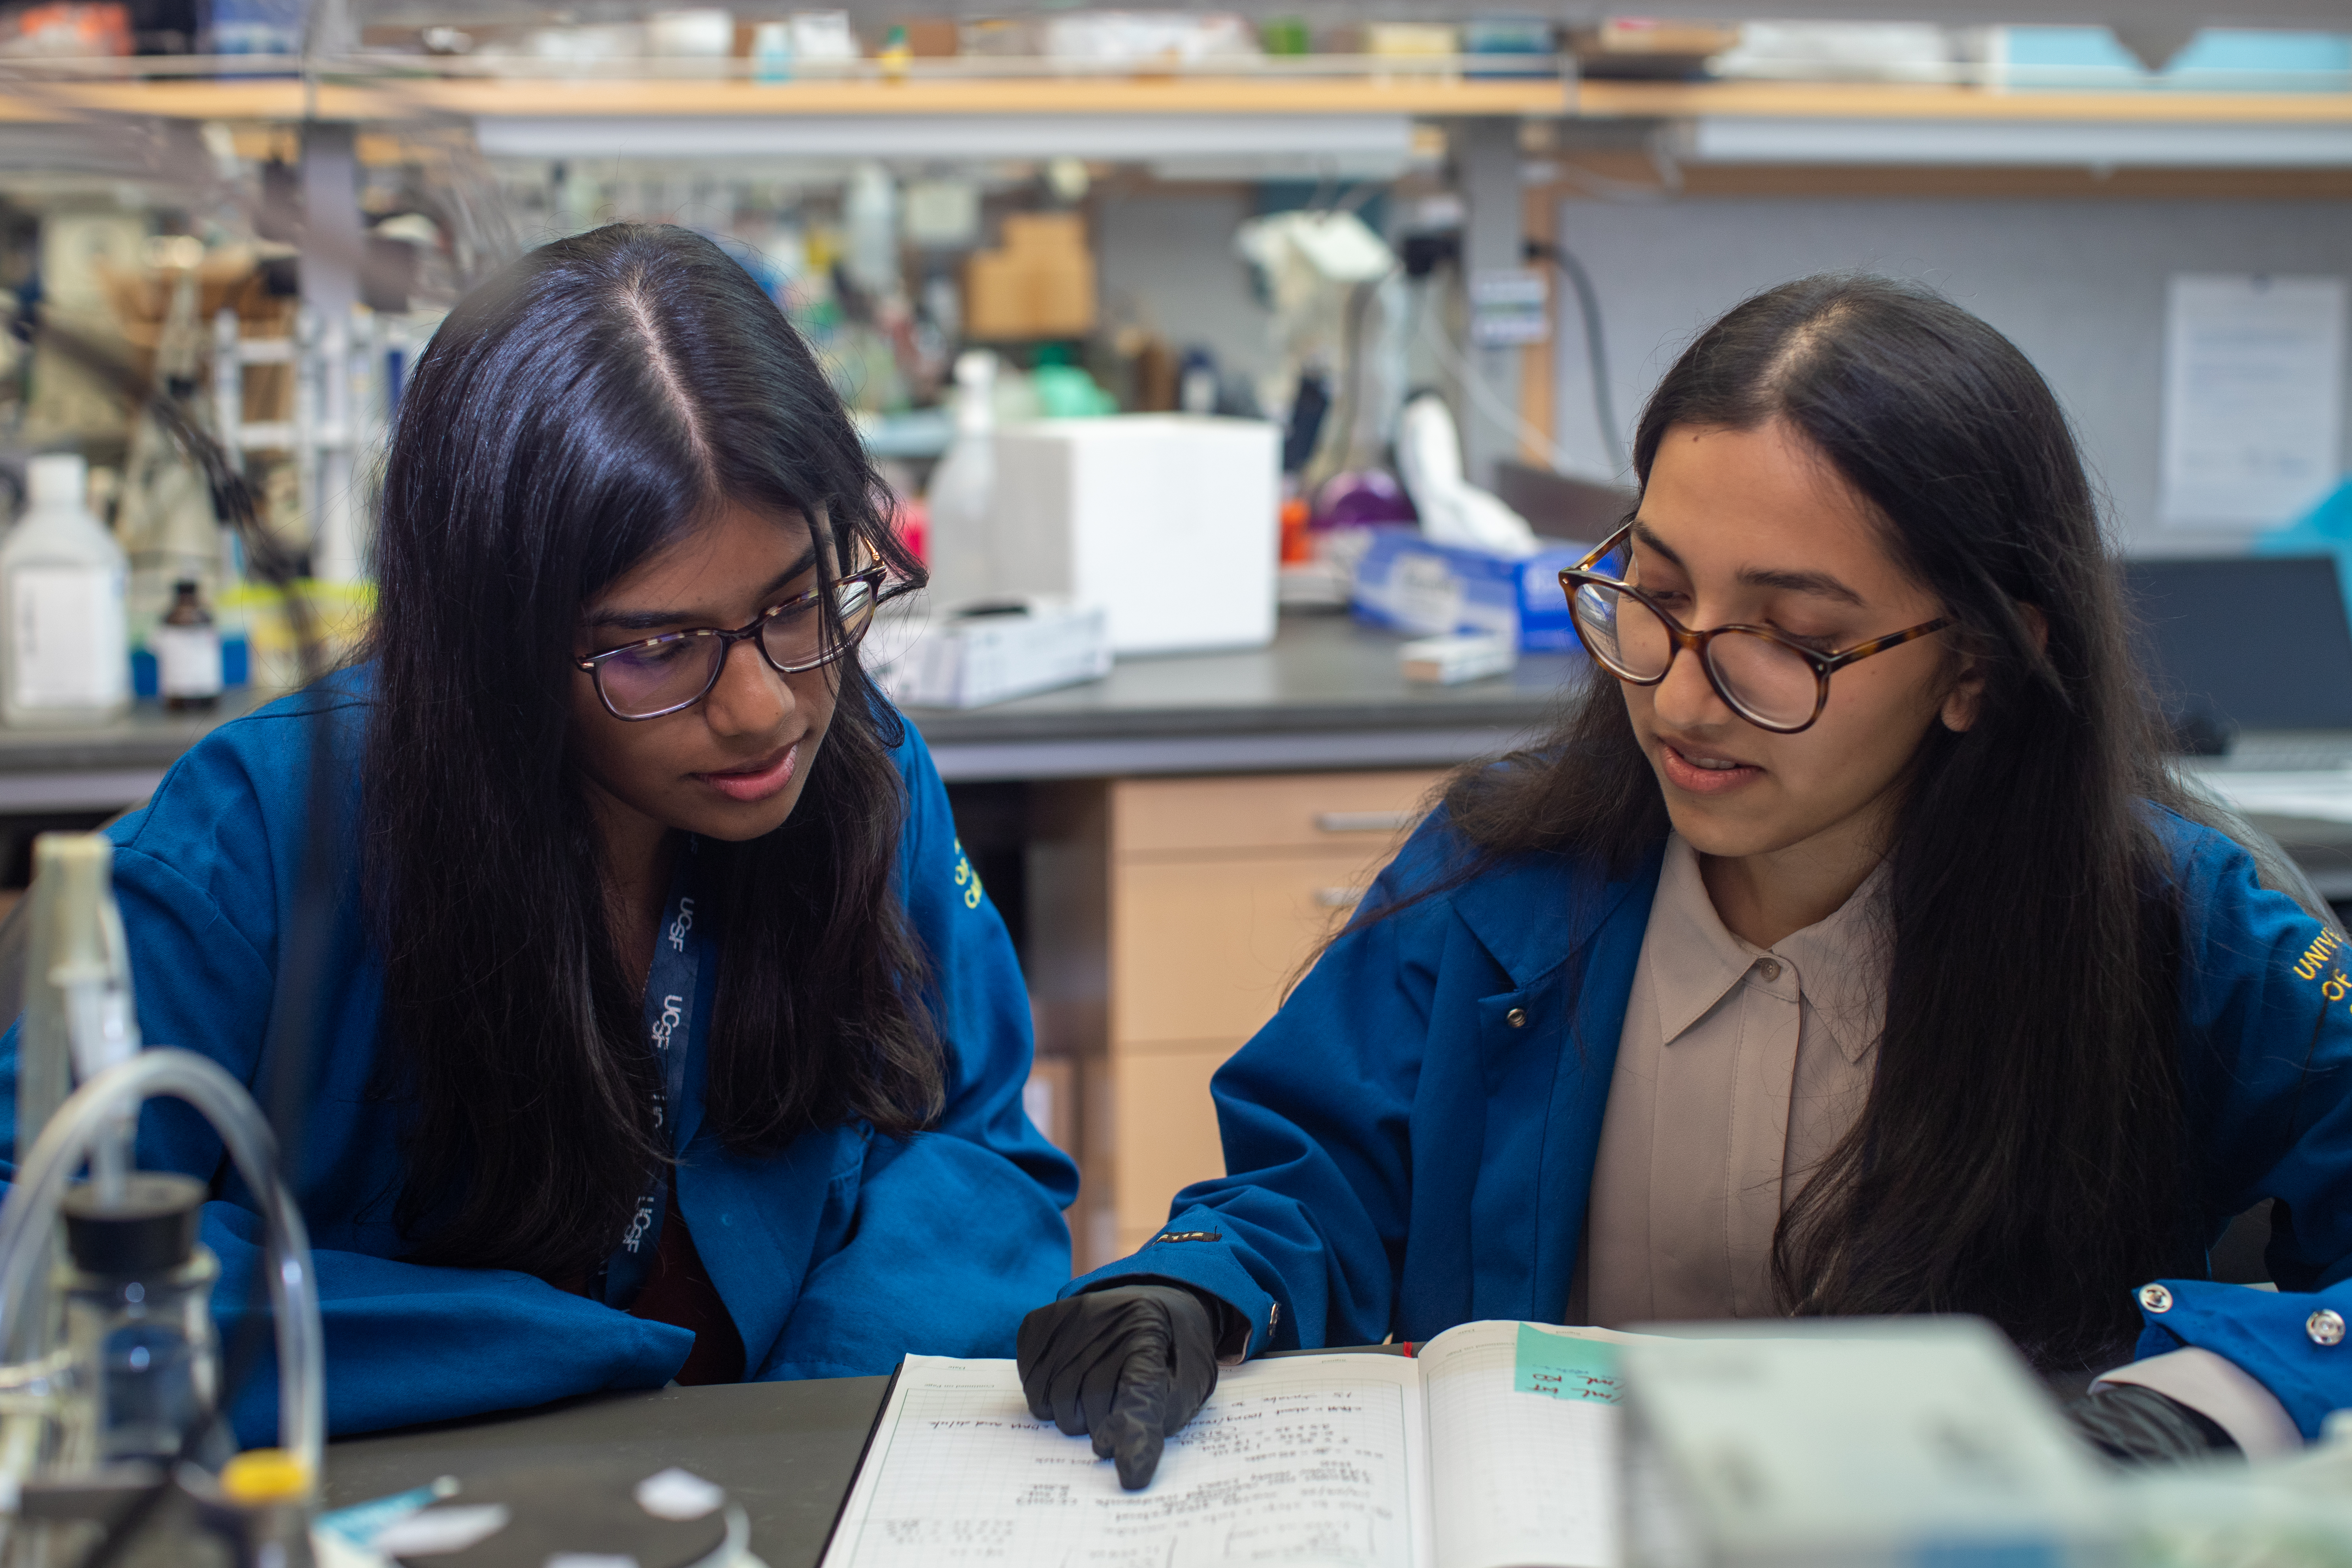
[[2216, 1389], [2275, 1338], [1194, 1251]]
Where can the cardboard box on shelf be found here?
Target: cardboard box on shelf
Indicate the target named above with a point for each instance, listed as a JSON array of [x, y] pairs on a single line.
[[1039, 284]]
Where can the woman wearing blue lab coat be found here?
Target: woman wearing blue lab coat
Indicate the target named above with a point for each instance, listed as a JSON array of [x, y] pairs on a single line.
[[659, 1026], [1851, 951]]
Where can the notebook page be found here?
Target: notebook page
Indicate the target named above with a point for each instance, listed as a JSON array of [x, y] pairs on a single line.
[[1522, 1480], [1308, 1462]]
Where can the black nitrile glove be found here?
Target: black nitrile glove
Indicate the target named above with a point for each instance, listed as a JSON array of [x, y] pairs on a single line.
[[1129, 1364], [2136, 1425]]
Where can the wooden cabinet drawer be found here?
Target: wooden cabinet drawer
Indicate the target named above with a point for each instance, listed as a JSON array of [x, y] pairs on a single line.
[[1205, 948], [1165, 1127], [1361, 813]]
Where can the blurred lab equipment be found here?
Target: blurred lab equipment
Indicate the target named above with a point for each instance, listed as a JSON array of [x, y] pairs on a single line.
[[1406, 582], [112, 1360], [1455, 659], [1166, 520], [993, 652], [771, 51], [703, 33], [1859, 1442], [64, 651], [138, 1319], [1453, 510], [1323, 271], [956, 503], [869, 215], [187, 647]]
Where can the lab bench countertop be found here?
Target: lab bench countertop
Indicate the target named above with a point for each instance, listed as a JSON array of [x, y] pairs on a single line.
[[1328, 692], [785, 1451], [107, 766]]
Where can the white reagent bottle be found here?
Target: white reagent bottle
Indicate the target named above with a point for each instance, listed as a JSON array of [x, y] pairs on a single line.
[[963, 488], [64, 657]]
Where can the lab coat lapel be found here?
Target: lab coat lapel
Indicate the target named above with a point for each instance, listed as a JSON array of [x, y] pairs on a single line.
[[1569, 943]]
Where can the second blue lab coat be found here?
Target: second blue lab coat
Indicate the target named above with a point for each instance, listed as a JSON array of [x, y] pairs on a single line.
[[1410, 1140], [835, 1256]]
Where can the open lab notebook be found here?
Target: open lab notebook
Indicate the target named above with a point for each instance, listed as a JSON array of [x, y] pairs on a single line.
[[1495, 1447]]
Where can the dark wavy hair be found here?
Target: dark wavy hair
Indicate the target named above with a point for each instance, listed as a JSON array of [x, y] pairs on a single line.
[[2021, 1151], [588, 405]]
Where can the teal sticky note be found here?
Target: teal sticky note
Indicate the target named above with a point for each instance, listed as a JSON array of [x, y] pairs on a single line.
[[1566, 1367]]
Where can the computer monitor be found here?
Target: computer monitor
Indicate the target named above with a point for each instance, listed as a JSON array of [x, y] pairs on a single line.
[[2257, 642]]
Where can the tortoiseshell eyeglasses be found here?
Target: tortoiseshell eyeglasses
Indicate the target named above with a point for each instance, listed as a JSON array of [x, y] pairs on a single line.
[[1767, 677]]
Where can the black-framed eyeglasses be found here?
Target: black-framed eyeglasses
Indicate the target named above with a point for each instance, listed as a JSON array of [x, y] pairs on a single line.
[[675, 670], [1766, 677]]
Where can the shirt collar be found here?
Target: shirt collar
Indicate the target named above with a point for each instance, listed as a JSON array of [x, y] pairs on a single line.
[[1839, 963]]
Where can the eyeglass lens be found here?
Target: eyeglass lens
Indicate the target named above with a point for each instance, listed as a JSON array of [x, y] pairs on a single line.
[[642, 681], [1765, 681]]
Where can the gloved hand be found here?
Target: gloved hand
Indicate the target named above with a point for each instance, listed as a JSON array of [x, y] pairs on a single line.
[[1129, 1364], [2136, 1425]]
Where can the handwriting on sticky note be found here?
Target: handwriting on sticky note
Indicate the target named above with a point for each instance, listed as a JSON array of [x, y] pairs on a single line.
[[1566, 1367]]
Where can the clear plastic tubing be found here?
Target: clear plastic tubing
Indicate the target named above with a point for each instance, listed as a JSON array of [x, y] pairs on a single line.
[[28, 1219]]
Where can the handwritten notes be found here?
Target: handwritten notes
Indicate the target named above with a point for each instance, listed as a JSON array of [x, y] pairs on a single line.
[[1274, 1468], [1566, 1367], [1517, 1479]]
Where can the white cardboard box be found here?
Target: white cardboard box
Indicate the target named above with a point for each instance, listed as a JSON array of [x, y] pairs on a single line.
[[1168, 521]]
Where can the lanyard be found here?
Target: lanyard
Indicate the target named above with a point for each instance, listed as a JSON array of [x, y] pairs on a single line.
[[669, 1024]]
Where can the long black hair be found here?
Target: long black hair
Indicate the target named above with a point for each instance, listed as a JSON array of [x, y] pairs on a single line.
[[593, 402], [2020, 1155]]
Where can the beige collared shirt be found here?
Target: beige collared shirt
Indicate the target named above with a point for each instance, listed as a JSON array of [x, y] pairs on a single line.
[[1738, 1070]]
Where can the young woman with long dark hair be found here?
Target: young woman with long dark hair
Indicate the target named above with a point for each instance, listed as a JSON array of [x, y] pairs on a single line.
[[663, 1028], [1851, 950]]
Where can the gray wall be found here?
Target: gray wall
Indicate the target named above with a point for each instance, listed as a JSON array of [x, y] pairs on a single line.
[[1167, 260], [2078, 284]]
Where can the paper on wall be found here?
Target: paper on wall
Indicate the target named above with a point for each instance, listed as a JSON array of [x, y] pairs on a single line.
[[2254, 397]]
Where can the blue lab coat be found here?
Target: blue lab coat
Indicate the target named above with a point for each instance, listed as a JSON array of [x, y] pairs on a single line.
[[836, 1255], [1411, 1138]]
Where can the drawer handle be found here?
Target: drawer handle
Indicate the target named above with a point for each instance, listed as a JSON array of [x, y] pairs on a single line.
[[1339, 898], [1362, 821]]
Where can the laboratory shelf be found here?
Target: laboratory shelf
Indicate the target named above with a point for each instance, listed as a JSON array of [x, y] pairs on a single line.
[[401, 88]]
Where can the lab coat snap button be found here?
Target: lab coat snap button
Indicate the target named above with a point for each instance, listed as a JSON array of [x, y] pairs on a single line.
[[2325, 1327], [1769, 969], [2156, 1297], [1516, 1017]]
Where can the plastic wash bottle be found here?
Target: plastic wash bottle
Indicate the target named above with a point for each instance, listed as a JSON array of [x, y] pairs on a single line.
[[65, 658]]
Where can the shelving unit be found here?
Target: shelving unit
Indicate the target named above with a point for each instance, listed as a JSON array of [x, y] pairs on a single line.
[[371, 90]]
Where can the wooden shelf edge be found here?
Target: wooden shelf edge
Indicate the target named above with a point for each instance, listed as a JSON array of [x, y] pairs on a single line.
[[1131, 96], [395, 97]]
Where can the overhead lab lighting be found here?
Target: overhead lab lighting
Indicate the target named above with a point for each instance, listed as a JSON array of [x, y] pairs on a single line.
[[1741, 139]]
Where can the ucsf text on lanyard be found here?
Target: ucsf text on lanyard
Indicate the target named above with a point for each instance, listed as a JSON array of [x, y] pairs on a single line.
[[670, 1024]]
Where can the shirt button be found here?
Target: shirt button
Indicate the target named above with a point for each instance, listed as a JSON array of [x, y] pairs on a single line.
[[1516, 1017], [1770, 969], [2326, 1327], [2156, 1297]]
